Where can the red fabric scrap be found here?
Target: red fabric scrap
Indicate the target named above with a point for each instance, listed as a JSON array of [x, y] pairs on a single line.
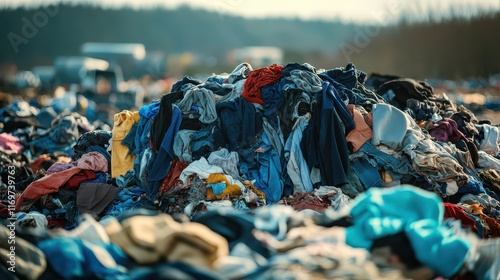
[[454, 211], [259, 78]]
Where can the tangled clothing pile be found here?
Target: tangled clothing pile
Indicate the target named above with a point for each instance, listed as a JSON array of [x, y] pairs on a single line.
[[290, 135], [267, 244]]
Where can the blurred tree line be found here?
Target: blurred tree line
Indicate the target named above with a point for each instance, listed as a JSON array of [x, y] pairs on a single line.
[[169, 31], [453, 49]]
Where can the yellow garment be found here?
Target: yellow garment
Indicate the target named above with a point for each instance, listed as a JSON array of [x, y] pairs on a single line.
[[229, 190], [217, 178], [121, 160]]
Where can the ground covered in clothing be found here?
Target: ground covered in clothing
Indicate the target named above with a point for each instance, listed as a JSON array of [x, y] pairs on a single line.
[[282, 172]]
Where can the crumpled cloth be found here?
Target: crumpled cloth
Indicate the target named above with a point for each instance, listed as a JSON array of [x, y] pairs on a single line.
[[379, 212], [228, 161], [10, 143], [200, 167], [259, 78]]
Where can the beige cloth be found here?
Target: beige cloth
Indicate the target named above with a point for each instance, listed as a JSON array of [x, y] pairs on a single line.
[[152, 239]]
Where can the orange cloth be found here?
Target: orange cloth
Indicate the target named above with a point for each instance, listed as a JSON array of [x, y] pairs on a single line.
[[229, 190], [361, 133], [493, 225], [386, 177]]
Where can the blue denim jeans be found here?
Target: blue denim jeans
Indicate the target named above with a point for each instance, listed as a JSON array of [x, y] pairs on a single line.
[[395, 167], [367, 173], [268, 176]]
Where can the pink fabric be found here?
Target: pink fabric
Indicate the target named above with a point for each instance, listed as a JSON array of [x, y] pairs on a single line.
[[93, 161], [10, 143], [58, 167], [51, 183]]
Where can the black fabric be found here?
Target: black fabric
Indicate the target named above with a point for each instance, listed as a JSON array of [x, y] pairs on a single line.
[[400, 245], [468, 145], [185, 80], [288, 187], [310, 136], [92, 138], [51, 274], [22, 185], [234, 225], [405, 89], [6, 274], [375, 80], [12, 124], [331, 219], [191, 123], [324, 146], [95, 197], [22, 171], [163, 119], [292, 98], [484, 122], [464, 123], [65, 195], [96, 137], [47, 164]]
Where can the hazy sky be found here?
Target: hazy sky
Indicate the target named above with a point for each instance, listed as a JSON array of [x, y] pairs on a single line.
[[367, 11]]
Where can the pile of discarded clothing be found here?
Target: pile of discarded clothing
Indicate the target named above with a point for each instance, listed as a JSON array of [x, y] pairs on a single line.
[[278, 172]]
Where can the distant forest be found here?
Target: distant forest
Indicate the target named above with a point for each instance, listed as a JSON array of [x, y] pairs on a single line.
[[451, 49]]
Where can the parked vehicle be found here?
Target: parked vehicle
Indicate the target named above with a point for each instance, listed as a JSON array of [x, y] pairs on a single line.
[[98, 81]]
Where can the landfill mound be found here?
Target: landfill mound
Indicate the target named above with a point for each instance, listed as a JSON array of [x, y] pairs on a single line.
[[281, 172]]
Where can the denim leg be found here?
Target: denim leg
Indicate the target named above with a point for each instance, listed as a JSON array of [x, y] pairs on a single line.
[[395, 167], [368, 174]]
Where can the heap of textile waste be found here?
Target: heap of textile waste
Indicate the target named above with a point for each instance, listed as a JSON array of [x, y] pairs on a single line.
[[281, 172]]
